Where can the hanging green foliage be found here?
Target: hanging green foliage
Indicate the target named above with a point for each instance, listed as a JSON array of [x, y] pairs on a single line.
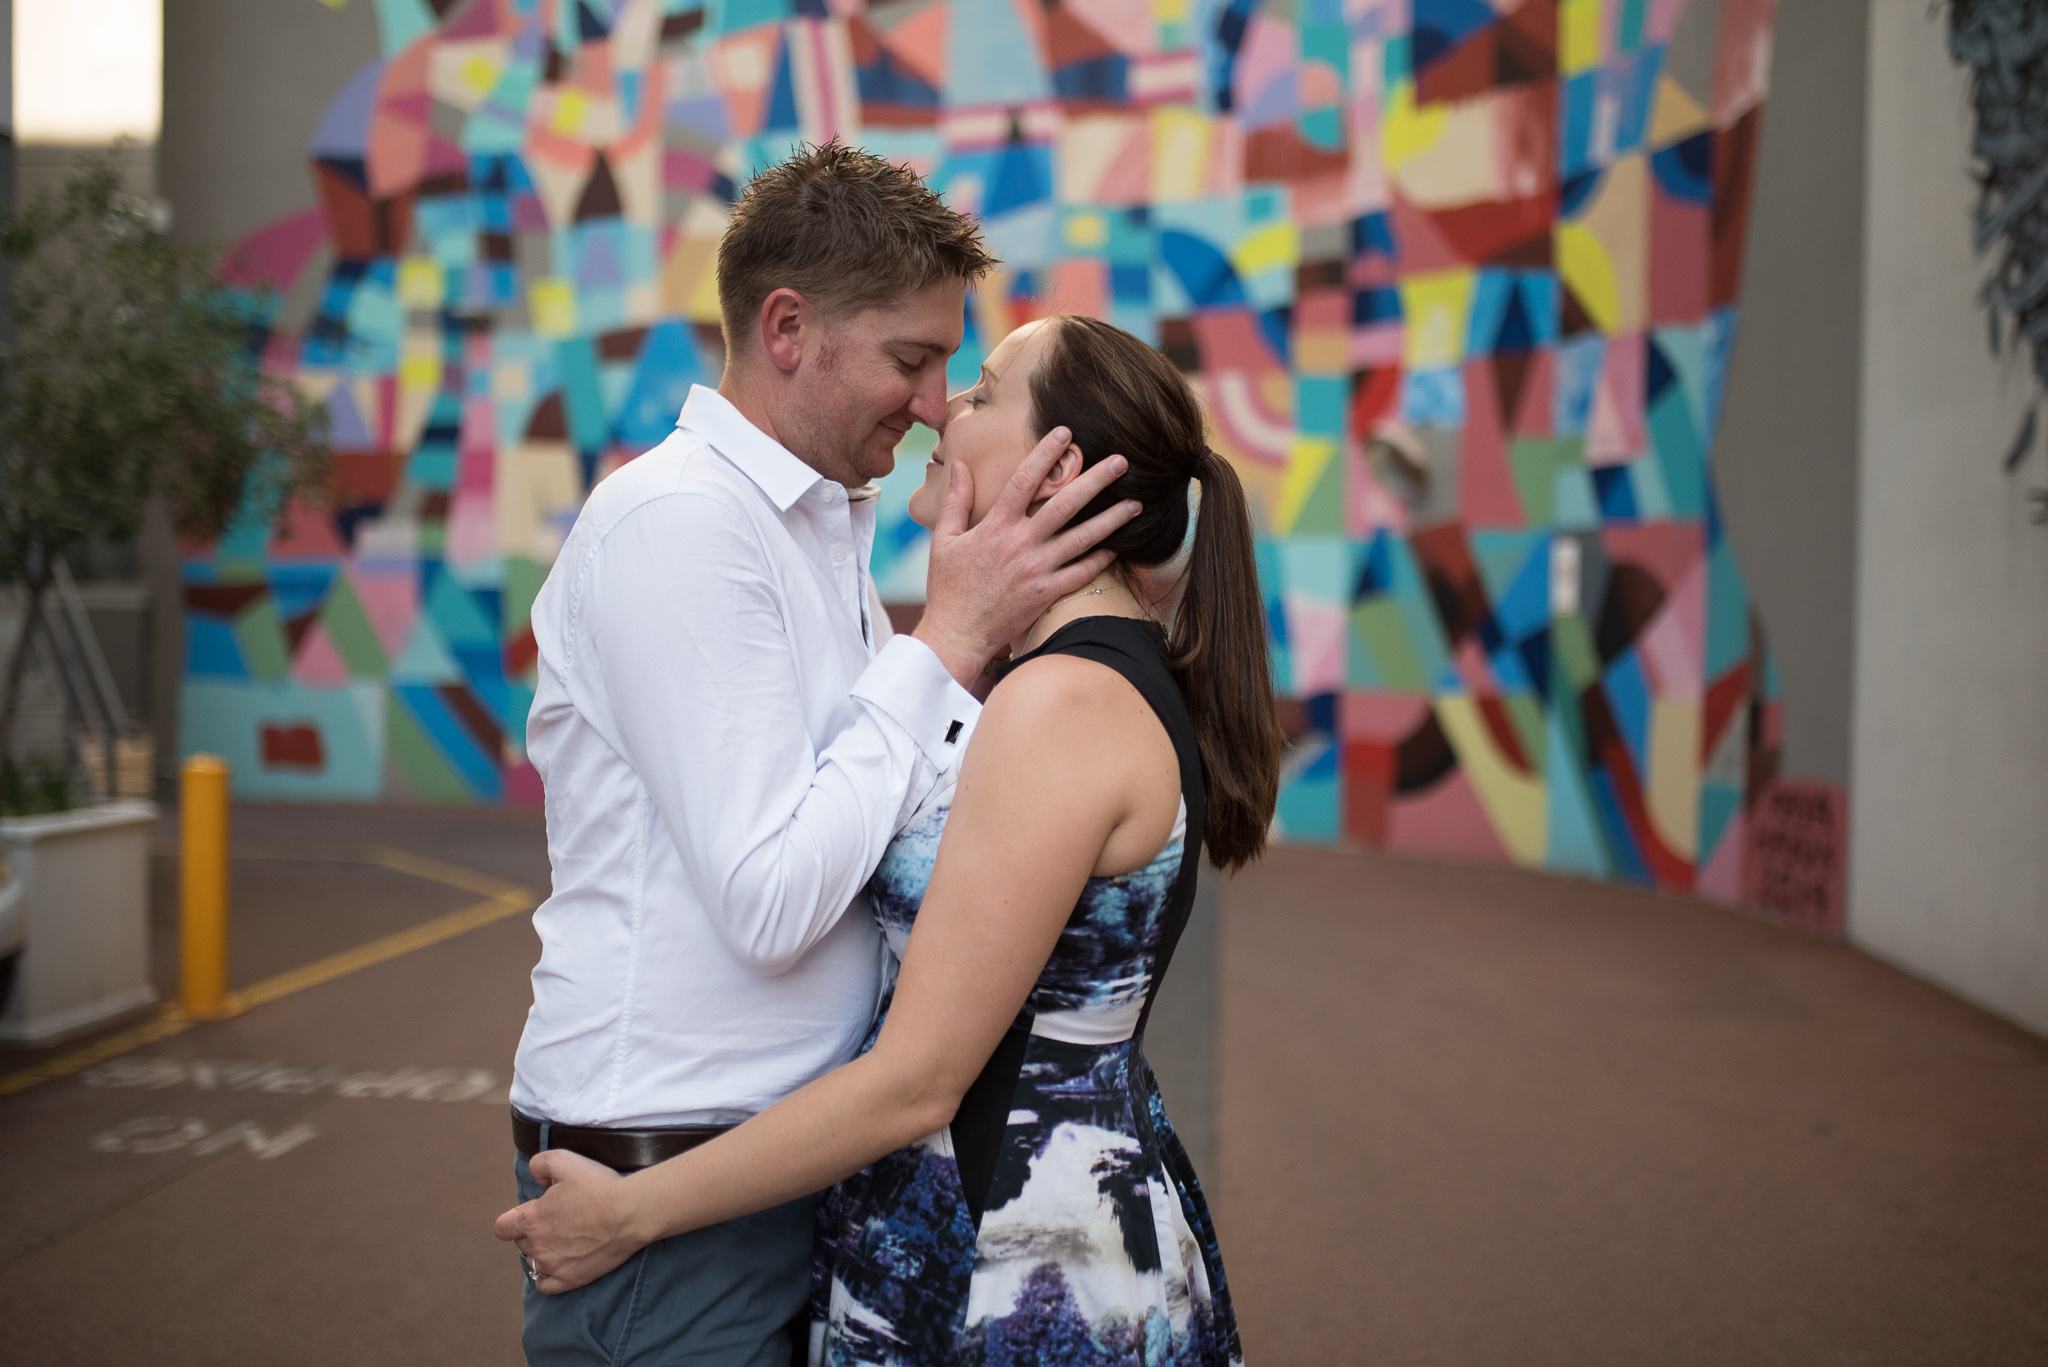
[[2004, 43], [130, 375]]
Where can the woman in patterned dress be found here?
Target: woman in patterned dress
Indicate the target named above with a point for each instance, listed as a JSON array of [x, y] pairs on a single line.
[[1009, 1188]]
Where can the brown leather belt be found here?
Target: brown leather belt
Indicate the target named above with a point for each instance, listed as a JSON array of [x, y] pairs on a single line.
[[619, 1150]]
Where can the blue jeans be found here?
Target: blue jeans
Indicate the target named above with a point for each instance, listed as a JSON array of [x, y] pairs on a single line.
[[728, 1296]]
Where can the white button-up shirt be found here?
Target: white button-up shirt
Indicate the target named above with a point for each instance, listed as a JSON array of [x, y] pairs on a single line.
[[726, 755]]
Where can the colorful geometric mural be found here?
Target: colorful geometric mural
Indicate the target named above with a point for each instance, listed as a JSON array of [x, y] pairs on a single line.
[[1457, 279]]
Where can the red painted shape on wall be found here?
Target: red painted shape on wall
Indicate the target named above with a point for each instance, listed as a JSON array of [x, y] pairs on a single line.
[[293, 747], [1798, 852]]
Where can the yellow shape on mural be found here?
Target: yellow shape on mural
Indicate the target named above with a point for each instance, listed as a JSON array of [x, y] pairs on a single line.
[[1578, 35], [1438, 308], [534, 485], [1085, 231], [1674, 780], [1306, 462], [1462, 163], [1677, 115], [1405, 131], [1277, 246], [1513, 800], [702, 304], [571, 105], [419, 361], [553, 305], [1583, 265], [1180, 153], [419, 374], [1170, 11], [480, 74], [420, 283], [1618, 219]]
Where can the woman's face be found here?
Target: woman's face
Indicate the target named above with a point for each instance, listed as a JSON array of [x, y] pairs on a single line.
[[988, 429]]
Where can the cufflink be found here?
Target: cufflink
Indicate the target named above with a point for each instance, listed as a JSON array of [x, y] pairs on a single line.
[[953, 733]]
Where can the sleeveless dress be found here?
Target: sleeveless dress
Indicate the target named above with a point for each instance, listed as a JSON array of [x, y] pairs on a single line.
[[1057, 1221]]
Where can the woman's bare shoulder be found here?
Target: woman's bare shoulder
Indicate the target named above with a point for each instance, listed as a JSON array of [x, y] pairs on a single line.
[[1059, 684]]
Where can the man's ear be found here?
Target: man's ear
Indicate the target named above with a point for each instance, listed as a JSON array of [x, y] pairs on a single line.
[[785, 317]]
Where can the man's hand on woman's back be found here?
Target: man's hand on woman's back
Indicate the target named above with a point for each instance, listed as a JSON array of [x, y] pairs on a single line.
[[988, 584]]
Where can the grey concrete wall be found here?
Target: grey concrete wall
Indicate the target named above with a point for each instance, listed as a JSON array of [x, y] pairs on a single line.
[[244, 84], [1949, 814], [1787, 451]]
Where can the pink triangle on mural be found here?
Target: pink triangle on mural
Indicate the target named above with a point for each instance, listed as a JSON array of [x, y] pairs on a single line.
[[920, 43], [398, 154], [318, 662], [1317, 635], [1128, 179], [1720, 877], [1473, 670], [1673, 646], [1668, 550], [1368, 505], [479, 19], [1605, 443], [1617, 430], [1419, 245], [1539, 396], [392, 603], [445, 158], [1489, 490], [305, 532], [1444, 819]]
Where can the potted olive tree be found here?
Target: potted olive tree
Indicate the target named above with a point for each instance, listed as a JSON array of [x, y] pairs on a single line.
[[129, 380]]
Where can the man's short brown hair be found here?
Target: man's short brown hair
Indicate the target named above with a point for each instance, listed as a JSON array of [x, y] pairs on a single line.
[[846, 230]]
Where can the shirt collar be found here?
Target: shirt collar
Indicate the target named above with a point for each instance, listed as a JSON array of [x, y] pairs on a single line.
[[779, 474]]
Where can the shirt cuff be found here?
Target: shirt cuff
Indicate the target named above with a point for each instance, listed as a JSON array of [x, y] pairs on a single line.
[[906, 683]]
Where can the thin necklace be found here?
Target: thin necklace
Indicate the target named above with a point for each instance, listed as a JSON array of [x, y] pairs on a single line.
[[1084, 593]]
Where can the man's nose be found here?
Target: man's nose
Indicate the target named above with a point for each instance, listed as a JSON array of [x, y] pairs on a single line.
[[929, 404]]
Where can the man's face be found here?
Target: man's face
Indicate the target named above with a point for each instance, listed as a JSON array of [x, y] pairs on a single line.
[[876, 373]]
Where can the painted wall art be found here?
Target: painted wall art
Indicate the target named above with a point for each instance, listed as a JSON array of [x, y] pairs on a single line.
[[1457, 279]]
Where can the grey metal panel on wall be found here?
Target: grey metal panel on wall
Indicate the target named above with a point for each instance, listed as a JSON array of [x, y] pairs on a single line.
[[245, 81], [1790, 427]]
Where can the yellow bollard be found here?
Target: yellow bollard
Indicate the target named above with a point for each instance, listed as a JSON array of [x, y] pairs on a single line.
[[203, 887]]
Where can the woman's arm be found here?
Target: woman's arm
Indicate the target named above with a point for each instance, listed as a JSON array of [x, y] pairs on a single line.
[[1060, 761]]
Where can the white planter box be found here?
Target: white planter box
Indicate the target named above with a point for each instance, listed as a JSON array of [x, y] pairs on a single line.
[[83, 912]]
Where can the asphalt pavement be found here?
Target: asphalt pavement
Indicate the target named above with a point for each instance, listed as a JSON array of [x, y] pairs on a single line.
[[1447, 1115]]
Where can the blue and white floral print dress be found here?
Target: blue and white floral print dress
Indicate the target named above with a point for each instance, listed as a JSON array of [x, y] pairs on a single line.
[[1056, 1222]]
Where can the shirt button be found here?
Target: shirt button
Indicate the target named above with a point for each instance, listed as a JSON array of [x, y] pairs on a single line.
[[839, 557]]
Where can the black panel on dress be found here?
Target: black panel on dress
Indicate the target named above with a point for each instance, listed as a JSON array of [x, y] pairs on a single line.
[[1134, 649]]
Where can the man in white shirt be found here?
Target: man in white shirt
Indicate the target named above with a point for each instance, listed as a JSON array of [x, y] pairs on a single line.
[[729, 736]]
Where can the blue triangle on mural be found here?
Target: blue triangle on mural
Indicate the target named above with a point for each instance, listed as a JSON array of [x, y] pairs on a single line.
[[1534, 651], [1204, 272], [455, 614], [1018, 179], [782, 104], [1573, 843], [425, 658], [1515, 335]]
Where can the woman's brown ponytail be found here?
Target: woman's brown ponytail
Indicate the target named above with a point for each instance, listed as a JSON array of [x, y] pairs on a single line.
[[1217, 649], [1119, 396]]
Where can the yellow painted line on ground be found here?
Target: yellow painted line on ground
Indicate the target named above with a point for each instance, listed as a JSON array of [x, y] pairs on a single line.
[[172, 1022], [380, 951], [503, 899]]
